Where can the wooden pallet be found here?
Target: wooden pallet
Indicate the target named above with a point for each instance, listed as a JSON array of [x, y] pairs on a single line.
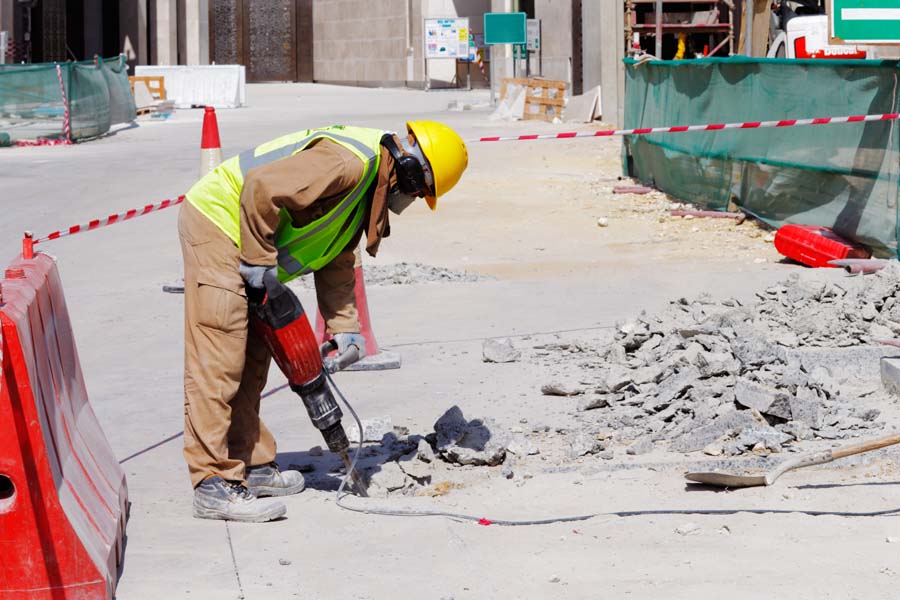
[[544, 98], [156, 84]]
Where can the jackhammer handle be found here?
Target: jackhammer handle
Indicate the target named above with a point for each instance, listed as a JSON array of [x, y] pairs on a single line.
[[350, 356], [327, 347]]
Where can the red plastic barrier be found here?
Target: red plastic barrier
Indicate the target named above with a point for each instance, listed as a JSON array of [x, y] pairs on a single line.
[[63, 496], [814, 246]]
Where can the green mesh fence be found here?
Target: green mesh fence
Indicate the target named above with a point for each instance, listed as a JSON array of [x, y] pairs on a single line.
[[32, 107], [843, 176]]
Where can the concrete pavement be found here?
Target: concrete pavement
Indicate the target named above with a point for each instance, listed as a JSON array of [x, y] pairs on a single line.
[[130, 343]]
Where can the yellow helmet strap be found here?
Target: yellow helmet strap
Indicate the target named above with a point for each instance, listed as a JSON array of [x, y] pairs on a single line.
[[410, 173]]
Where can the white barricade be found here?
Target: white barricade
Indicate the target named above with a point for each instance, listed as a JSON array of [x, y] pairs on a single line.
[[220, 86]]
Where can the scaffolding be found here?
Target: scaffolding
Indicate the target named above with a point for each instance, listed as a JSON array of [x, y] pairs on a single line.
[[704, 24]]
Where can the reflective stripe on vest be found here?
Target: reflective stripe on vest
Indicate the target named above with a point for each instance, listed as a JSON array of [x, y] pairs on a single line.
[[289, 239], [308, 248]]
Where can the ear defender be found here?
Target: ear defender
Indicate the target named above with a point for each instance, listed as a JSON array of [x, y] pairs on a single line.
[[410, 175]]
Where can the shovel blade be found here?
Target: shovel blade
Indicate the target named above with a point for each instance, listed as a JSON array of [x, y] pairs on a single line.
[[729, 480]]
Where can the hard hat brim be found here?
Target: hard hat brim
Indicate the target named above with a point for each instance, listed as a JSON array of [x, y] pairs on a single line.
[[431, 201]]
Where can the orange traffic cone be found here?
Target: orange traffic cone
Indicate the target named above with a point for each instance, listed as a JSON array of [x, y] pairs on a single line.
[[210, 146], [375, 359]]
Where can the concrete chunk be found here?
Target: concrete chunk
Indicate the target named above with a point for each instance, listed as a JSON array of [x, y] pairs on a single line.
[[499, 351], [805, 408], [702, 436], [890, 375], [475, 442], [764, 399], [373, 429]]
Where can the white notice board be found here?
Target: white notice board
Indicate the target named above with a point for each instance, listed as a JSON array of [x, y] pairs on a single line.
[[447, 38]]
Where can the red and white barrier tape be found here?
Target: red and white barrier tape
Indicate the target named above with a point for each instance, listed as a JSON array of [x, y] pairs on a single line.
[[110, 220], [683, 128], [67, 131]]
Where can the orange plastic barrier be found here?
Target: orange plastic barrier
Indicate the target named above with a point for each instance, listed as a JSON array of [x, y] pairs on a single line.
[[63, 496]]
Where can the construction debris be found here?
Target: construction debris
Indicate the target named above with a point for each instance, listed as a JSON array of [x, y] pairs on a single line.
[[373, 429], [475, 442], [632, 189], [499, 351], [404, 274], [727, 378]]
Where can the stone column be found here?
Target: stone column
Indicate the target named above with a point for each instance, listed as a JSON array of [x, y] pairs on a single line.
[[612, 71], [164, 28], [501, 54], [133, 31], [196, 32], [591, 44]]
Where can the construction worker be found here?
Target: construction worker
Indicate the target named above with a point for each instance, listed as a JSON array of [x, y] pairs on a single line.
[[299, 204]]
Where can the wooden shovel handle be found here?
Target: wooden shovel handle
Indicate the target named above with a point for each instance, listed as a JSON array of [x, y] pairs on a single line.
[[888, 440]]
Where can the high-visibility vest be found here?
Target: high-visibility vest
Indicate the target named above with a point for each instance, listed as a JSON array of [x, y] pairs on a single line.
[[301, 250]]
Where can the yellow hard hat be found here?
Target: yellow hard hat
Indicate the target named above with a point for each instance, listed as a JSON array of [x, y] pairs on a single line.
[[446, 155]]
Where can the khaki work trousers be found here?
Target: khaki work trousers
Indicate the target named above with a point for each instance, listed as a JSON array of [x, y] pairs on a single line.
[[225, 364]]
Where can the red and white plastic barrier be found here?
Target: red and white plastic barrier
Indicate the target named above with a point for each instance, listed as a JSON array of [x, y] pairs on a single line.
[[63, 495], [685, 128]]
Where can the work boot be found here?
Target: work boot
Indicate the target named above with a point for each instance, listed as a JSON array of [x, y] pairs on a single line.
[[267, 480], [216, 498]]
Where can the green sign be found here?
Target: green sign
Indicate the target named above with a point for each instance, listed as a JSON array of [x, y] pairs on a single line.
[[864, 21], [504, 28]]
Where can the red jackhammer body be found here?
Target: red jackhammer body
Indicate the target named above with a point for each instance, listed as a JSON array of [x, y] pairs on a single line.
[[278, 316]]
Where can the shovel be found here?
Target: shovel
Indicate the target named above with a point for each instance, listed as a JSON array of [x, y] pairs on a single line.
[[732, 480]]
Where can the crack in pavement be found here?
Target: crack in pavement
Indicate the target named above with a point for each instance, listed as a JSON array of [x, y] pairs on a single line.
[[237, 574]]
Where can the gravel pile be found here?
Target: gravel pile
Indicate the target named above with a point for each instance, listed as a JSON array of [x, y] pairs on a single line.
[[727, 378], [405, 274]]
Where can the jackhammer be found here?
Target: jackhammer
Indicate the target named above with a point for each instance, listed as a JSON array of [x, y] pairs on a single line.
[[278, 316]]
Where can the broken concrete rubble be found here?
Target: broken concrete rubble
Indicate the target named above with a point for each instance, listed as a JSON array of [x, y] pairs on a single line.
[[731, 378], [385, 478], [556, 388], [475, 442], [373, 429], [499, 351]]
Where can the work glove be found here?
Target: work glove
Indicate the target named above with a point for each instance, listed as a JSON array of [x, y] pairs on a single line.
[[345, 340], [254, 274]]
